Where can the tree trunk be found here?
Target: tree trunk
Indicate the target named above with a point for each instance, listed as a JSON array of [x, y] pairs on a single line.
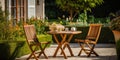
[[71, 16], [85, 18]]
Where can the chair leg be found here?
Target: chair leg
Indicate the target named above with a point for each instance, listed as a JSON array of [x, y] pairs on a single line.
[[35, 56], [82, 45], [92, 50], [89, 54], [80, 52], [93, 53], [96, 54], [32, 54], [82, 48], [42, 51], [29, 56]]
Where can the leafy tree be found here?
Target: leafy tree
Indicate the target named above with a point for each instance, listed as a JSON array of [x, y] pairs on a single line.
[[73, 7]]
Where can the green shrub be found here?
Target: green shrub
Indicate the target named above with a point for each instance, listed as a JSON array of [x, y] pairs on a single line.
[[118, 49], [115, 24], [5, 31], [10, 49], [39, 24]]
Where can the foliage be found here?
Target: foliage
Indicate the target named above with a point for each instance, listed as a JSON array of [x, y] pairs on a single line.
[[82, 17], [17, 29], [118, 49], [102, 20], [75, 6], [39, 24], [115, 24], [8, 36], [10, 49], [91, 19], [9, 30], [6, 32]]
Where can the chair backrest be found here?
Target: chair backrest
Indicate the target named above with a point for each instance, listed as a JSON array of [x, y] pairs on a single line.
[[94, 32], [30, 33]]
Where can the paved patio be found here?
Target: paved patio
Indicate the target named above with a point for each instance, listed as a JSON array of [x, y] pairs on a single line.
[[106, 52]]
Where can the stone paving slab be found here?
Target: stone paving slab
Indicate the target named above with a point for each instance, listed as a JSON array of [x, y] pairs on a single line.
[[106, 52]]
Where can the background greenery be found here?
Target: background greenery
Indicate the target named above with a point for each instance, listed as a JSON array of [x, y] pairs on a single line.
[[109, 6]]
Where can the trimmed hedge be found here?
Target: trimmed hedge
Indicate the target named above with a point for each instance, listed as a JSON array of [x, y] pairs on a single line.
[[11, 49], [106, 35]]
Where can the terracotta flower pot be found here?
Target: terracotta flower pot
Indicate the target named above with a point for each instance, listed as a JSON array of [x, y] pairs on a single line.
[[116, 35]]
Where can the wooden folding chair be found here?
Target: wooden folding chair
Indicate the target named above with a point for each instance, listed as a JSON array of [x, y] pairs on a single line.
[[89, 43], [33, 42]]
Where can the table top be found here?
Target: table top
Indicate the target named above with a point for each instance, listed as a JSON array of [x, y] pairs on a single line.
[[64, 32]]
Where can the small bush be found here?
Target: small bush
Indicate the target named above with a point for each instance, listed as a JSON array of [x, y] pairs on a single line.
[[10, 49], [118, 49]]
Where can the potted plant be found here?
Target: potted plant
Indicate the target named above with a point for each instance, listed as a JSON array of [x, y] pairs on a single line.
[[115, 26]]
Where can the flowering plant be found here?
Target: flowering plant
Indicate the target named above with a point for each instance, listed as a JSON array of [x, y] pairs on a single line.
[[56, 27]]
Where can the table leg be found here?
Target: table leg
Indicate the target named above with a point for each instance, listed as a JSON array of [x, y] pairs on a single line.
[[69, 48], [66, 44], [60, 46]]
